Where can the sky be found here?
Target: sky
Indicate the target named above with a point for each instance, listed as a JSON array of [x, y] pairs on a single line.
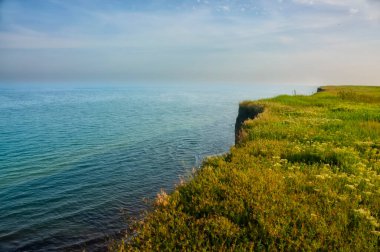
[[247, 41]]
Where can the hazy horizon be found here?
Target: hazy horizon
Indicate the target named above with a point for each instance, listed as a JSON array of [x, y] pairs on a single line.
[[309, 42]]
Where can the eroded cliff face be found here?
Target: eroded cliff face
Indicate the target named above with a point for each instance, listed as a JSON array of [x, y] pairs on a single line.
[[320, 89], [246, 111]]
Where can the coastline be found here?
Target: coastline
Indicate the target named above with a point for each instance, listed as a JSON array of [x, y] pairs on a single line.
[[290, 160], [102, 149]]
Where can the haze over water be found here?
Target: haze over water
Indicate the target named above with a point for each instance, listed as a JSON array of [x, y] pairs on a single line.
[[75, 159]]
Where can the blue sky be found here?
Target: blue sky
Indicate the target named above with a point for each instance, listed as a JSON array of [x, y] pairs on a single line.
[[251, 41]]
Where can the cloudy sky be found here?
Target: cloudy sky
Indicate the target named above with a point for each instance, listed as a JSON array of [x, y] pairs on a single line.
[[248, 41]]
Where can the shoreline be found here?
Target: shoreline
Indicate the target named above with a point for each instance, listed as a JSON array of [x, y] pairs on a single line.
[[291, 148]]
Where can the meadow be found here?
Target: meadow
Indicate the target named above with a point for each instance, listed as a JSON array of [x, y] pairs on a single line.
[[304, 175]]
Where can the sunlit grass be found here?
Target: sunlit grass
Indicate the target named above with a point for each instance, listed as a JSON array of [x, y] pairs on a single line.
[[306, 176]]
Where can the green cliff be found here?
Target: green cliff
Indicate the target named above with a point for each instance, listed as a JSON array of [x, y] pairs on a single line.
[[304, 175]]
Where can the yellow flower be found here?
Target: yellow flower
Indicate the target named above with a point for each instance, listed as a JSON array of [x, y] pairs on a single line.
[[375, 232], [352, 187], [162, 198]]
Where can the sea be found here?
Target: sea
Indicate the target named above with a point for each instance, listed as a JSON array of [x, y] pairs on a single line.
[[78, 160]]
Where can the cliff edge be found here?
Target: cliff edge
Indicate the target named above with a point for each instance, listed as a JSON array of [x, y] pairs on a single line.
[[307, 178], [247, 111]]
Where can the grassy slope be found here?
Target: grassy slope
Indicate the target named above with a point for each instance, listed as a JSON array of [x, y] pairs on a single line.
[[305, 177]]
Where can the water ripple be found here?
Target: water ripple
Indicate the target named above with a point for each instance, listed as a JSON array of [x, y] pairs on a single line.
[[74, 160]]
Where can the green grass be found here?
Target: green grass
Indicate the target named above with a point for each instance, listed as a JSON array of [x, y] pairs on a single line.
[[305, 176]]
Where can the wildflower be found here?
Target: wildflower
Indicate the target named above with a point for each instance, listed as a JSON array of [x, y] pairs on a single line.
[[322, 177], [375, 232], [362, 211], [277, 165], [368, 193], [370, 184], [162, 198], [285, 161], [342, 197], [372, 220], [367, 215], [352, 187], [342, 175], [297, 149], [296, 167], [326, 167]]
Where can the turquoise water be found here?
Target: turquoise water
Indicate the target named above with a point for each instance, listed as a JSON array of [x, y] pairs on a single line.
[[74, 159]]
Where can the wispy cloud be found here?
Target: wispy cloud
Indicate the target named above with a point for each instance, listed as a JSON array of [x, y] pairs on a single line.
[[367, 9], [251, 41]]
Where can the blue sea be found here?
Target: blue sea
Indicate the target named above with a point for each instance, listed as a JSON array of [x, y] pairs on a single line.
[[76, 160]]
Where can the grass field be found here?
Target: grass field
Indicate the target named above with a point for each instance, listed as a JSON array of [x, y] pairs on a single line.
[[305, 175]]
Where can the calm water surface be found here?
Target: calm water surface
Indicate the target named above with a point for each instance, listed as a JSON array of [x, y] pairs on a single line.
[[74, 159]]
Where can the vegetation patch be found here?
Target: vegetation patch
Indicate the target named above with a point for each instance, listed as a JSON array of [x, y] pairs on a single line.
[[305, 176]]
